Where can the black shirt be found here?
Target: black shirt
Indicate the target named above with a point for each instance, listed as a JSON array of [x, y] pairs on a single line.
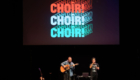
[[93, 68]]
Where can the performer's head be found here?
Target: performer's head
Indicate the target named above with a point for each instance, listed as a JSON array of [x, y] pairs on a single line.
[[93, 60], [69, 59]]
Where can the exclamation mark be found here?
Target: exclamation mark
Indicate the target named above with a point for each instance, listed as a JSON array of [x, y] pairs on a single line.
[[82, 20], [72, 6], [82, 8], [83, 32], [72, 31]]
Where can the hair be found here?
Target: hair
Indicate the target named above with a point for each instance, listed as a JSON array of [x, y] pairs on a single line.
[[93, 58], [69, 57]]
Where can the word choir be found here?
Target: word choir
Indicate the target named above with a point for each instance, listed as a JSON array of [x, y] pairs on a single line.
[[67, 8], [74, 14], [67, 20], [67, 32]]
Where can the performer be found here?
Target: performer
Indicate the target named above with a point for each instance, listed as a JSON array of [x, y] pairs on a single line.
[[94, 67], [69, 73]]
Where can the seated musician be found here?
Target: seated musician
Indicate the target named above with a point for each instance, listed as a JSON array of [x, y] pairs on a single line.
[[68, 73]]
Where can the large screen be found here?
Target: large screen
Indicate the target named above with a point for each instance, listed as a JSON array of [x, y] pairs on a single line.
[[70, 22]]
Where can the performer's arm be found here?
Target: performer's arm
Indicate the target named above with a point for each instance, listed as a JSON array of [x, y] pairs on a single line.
[[97, 67], [63, 63], [73, 66], [90, 66]]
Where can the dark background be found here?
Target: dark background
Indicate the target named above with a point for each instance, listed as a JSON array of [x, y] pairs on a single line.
[[26, 59], [36, 24], [116, 63]]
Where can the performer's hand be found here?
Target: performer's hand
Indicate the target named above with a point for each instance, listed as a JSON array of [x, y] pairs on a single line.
[[97, 67], [91, 64], [64, 66], [73, 64]]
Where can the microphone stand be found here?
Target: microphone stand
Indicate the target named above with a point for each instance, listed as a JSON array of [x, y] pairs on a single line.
[[74, 75], [50, 75], [41, 78]]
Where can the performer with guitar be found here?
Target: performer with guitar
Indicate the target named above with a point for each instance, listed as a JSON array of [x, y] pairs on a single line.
[[67, 68], [94, 67]]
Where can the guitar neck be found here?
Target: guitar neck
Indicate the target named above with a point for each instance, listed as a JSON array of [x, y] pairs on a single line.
[[74, 64]]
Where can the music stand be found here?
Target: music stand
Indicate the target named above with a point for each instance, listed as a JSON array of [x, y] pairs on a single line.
[[85, 74], [74, 74]]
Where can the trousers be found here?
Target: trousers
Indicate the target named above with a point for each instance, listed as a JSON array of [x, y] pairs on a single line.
[[67, 76], [94, 76]]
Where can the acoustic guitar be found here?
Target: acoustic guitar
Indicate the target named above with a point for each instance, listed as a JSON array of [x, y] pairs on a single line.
[[62, 69]]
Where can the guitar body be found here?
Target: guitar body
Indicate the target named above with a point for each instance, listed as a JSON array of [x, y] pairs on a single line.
[[62, 69]]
